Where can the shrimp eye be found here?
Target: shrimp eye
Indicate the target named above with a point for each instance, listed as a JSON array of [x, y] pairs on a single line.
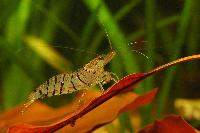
[[100, 57]]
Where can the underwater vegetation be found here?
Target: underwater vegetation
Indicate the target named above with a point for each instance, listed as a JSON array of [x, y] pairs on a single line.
[[40, 39]]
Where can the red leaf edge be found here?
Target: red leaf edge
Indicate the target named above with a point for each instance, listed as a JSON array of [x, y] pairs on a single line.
[[120, 87], [169, 124]]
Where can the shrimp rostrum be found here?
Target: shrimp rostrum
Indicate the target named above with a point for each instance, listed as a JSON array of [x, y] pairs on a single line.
[[91, 74]]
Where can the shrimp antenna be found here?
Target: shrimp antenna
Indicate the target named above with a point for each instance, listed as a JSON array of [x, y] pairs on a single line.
[[107, 35], [57, 46], [109, 41], [141, 53]]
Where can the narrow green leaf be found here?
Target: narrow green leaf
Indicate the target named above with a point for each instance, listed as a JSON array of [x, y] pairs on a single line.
[[119, 41], [178, 42], [48, 53]]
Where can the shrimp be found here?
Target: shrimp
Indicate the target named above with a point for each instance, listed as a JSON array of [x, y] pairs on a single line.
[[91, 74]]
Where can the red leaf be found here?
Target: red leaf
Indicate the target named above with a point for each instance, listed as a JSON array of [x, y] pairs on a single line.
[[122, 86], [140, 101], [126, 82], [104, 114], [170, 124]]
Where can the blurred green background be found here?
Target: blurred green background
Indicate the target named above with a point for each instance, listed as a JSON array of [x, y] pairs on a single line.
[[41, 38]]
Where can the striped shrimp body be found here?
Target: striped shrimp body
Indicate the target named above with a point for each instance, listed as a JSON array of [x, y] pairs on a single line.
[[90, 75]]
